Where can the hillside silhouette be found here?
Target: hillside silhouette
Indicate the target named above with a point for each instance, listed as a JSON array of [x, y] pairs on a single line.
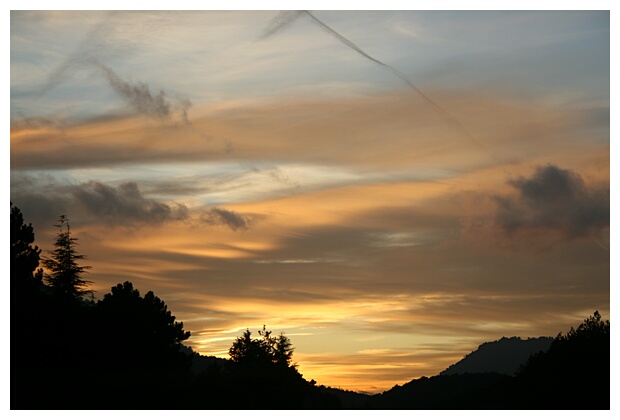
[[573, 374], [504, 356], [126, 351]]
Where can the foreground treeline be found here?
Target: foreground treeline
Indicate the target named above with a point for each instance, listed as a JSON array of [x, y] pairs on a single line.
[[125, 351]]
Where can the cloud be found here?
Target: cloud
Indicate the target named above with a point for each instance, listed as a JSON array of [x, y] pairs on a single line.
[[44, 198], [92, 44], [326, 132], [41, 199], [139, 96], [108, 38], [234, 220], [36, 123], [299, 261], [554, 199], [125, 203]]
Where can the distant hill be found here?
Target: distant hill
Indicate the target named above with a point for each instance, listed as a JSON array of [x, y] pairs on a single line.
[[503, 356]]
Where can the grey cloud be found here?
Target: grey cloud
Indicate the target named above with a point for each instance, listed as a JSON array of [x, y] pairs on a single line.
[[139, 96], [125, 203], [554, 198], [105, 40], [234, 220], [40, 198], [116, 34], [44, 198], [184, 105]]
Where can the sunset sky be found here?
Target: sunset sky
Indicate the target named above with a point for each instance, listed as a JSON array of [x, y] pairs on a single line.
[[390, 189]]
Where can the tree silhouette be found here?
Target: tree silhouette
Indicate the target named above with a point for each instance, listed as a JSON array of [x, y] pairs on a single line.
[[64, 274], [138, 348], [283, 351], [245, 349], [592, 328], [261, 371], [144, 323], [267, 349], [574, 373], [24, 257]]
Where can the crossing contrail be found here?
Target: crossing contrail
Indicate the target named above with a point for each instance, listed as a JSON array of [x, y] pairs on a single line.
[[282, 20], [285, 18]]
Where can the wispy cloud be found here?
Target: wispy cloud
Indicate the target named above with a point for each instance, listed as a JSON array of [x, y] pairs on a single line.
[[105, 40], [299, 261], [139, 96], [91, 45], [234, 220]]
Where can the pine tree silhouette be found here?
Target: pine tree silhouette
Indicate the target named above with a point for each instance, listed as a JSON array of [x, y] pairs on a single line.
[[64, 273]]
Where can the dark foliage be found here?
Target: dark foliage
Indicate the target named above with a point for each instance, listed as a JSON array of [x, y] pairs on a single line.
[[140, 322], [262, 371], [267, 350], [24, 257], [125, 351], [573, 374], [64, 274], [139, 347], [445, 392]]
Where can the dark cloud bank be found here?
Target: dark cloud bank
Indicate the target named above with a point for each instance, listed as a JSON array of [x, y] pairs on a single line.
[[125, 202], [43, 199], [557, 199]]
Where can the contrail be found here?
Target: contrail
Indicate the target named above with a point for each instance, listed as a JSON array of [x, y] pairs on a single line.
[[285, 18], [282, 20], [138, 95], [82, 57]]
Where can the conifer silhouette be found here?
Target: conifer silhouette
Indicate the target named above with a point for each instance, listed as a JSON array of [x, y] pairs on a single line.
[[64, 273]]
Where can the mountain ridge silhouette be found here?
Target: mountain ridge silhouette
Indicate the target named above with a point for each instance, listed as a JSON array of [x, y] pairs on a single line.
[[504, 356]]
